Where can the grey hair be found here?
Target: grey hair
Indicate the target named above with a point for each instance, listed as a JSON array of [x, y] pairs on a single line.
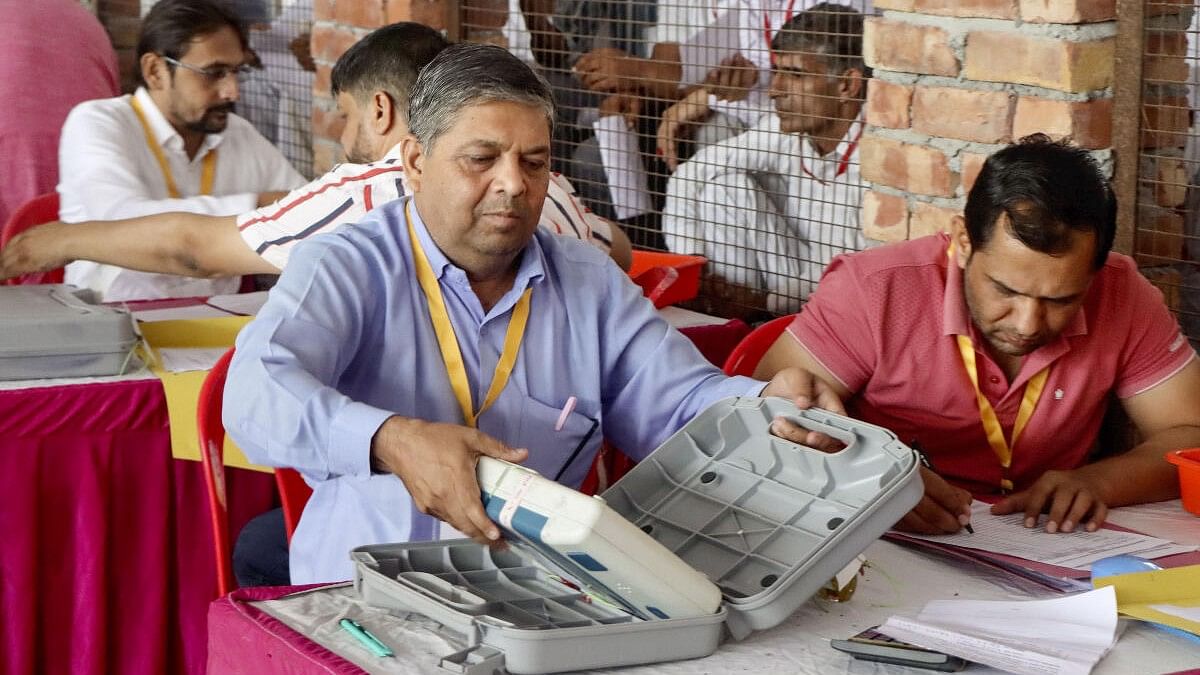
[[469, 74], [830, 30]]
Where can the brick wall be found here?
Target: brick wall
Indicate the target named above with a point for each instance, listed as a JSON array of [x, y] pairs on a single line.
[[956, 80], [337, 24], [122, 20]]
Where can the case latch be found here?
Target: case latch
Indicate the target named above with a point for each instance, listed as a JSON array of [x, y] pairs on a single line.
[[477, 660]]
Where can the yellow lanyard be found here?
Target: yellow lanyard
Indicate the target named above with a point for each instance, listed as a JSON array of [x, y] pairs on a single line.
[[448, 341], [207, 173], [987, 414]]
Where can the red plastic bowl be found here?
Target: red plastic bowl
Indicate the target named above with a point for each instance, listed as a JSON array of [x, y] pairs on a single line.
[[1188, 462], [667, 278]]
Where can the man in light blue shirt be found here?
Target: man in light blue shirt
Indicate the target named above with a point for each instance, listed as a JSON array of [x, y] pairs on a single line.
[[344, 376]]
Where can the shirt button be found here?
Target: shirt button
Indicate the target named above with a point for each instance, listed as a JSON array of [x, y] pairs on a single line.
[[994, 380]]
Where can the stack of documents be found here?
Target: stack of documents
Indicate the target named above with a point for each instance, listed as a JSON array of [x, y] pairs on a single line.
[[1056, 560], [1064, 636]]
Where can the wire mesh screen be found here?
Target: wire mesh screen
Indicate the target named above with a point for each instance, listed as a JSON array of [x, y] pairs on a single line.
[[723, 128], [1167, 240], [276, 97]]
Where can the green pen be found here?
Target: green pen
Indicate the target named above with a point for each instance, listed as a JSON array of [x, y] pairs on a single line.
[[365, 638]]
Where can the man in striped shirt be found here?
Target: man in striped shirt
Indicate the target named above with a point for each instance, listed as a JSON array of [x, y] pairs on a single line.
[[371, 82]]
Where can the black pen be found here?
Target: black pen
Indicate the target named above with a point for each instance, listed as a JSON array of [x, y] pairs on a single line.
[[579, 448], [929, 465]]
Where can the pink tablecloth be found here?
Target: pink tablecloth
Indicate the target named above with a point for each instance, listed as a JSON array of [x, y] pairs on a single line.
[[106, 561]]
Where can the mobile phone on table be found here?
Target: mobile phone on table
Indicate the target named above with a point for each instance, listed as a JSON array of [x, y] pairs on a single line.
[[871, 645]]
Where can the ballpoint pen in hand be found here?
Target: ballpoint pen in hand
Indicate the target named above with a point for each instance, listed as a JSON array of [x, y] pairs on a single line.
[[929, 465]]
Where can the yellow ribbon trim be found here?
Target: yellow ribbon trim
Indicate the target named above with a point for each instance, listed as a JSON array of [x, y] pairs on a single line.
[[208, 170], [987, 414], [448, 341]]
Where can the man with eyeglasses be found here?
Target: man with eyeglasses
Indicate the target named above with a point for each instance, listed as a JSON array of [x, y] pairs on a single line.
[[174, 145]]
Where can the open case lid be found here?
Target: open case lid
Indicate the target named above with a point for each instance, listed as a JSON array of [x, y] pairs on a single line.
[[769, 521], [60, 319]]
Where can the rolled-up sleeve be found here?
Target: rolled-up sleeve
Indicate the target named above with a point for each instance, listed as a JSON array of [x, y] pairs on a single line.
[[282, 405]]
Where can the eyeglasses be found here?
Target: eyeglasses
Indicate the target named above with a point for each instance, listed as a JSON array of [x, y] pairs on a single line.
[[214, 74]]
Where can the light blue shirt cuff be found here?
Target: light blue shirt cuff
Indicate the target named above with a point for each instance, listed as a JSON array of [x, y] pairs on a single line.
[[351, 431]]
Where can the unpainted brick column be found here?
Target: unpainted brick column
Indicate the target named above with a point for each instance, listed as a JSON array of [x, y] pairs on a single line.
[[955, 80], [337, 24], [122, 19]]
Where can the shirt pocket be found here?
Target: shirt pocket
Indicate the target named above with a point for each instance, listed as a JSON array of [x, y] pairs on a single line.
[[568, 452]]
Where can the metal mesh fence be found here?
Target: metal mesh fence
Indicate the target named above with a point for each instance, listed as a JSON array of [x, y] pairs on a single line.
[[727, 129], [277, 97], [1167, 241]]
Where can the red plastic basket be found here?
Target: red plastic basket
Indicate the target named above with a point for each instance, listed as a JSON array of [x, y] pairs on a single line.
[[667, 278]]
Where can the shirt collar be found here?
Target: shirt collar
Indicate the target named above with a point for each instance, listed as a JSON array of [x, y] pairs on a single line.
[[956, 319], [393, 154], [531, 268], [846, 146], [165, 134]]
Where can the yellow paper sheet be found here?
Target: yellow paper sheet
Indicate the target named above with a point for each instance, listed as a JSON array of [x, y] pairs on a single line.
[[1140, 592], [183, 389]]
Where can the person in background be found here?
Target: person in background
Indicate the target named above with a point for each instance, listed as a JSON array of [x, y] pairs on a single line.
[[371, 82], [488, 326], [997, 348], [771, 207], [174, 145], [83, 70]]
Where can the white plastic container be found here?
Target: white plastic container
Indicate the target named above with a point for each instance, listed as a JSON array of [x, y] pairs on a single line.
[[768, 521]]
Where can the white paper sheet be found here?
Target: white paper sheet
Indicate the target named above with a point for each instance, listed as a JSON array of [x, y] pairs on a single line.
[[175, 313], [181, 359], [245, 304], [1076, 550], [686, 318], [1189, 613], [627, 183], [1064, 636]]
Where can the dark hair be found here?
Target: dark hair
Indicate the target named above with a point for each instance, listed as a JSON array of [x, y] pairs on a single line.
[[468, 74], [1049, 191], [388, 60], [170, 26], [828, 29]]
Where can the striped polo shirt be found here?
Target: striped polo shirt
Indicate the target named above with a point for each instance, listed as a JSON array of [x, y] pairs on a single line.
[[349, 191]]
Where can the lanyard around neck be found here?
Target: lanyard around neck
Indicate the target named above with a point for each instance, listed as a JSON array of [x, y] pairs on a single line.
[[207, 173], [987, 415], [448, 341]]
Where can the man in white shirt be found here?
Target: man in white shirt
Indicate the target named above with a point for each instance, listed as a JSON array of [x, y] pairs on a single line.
[[175, 145], [371, 82], [771, 207]]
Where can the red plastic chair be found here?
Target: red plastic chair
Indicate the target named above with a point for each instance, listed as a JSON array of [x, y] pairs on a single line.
[[40, 209], [745, 357], [293, 491]]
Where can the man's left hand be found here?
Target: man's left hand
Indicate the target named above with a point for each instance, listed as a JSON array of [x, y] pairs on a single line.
[[733, 79], [806, 390], [1070, 496]]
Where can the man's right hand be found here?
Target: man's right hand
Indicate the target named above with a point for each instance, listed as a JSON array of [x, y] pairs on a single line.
[[436, 462], [944, 509], [32, 251]]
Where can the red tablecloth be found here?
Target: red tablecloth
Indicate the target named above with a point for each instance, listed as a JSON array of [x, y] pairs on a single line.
[[106, 561]]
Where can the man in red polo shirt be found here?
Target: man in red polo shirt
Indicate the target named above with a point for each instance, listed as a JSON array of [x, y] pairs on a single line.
[[996, 348]]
